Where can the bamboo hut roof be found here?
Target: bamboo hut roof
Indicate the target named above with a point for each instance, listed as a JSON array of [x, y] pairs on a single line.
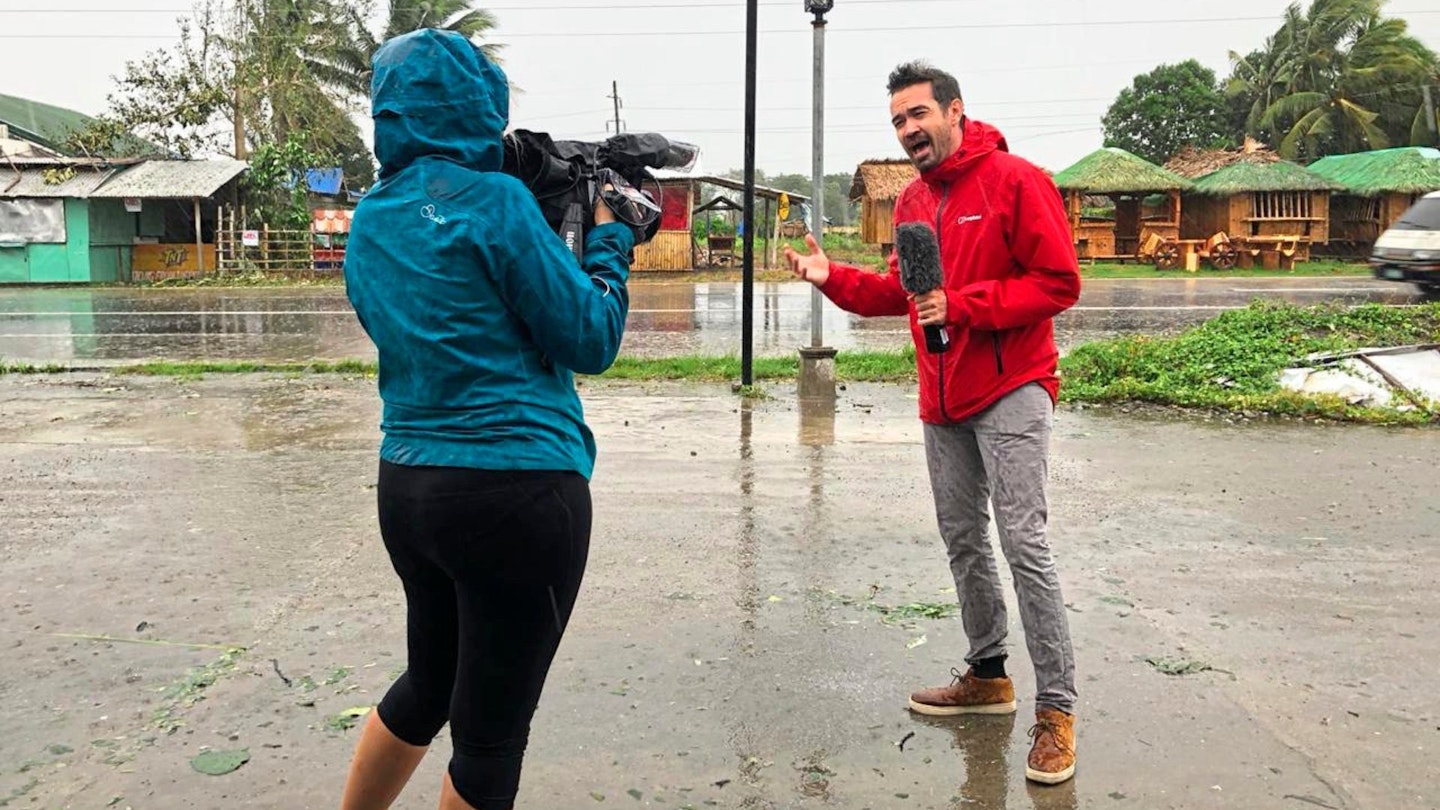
[[1242, 177], [1405, 170], [1114, 171], [1192, 162], [882, 179]]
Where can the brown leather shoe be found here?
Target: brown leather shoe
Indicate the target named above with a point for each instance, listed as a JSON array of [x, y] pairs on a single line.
[[1052, 755], [966, 694]]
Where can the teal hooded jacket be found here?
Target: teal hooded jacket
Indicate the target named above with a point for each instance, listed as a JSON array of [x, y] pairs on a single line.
[[479, 312]]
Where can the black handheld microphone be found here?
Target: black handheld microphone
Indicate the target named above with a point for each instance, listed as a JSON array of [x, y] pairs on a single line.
[[919, 254]]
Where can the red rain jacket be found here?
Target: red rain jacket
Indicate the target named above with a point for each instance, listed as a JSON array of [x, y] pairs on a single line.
[[1009, 265]]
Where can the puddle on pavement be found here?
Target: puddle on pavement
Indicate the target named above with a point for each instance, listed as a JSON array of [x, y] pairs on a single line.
[[110, 325]]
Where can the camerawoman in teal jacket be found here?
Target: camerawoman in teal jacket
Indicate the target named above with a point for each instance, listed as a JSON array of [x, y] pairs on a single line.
[[481, 316]]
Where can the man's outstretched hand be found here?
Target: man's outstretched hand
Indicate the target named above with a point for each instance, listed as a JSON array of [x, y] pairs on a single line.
[[814, 268]]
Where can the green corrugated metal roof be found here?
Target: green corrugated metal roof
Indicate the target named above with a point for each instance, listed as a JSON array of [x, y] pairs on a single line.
[[1283, 175], [44, 124], [1403, 170], [1115, 171]]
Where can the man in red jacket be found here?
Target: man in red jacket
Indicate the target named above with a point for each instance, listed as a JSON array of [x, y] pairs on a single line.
[[986, 403]]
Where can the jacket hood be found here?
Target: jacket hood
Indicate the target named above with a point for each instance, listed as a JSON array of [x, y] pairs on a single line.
[[435, 94], [980, 139]]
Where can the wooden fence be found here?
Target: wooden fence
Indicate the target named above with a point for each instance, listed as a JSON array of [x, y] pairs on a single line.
[[264, 249]]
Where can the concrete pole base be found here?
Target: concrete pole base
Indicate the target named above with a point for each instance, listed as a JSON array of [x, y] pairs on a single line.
[[817, 372]]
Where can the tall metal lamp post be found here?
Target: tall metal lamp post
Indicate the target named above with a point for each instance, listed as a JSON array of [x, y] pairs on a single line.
[[817, 361]]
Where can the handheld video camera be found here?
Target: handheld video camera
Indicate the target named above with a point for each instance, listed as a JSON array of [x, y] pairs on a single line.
[[566, 177]]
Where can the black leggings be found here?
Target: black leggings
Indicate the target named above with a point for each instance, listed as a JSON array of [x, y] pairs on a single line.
[[491, 562]]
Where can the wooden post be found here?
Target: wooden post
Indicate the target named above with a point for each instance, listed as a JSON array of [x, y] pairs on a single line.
[[773, 236], [690, 223], [199, 240], [219, 240]]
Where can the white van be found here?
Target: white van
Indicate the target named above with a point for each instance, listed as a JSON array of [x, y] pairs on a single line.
[[1409, 250]]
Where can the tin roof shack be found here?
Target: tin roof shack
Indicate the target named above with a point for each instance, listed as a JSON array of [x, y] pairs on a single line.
[[1375, 189], [1144, 198], [877, 185], [1268, 207], [188, 193], [79, 221]]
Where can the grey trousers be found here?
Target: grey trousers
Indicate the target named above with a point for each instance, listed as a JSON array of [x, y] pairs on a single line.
[[999, 456]]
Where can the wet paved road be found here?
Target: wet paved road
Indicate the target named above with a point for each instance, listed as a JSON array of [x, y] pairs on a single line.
[[80, 325], [733, 645]]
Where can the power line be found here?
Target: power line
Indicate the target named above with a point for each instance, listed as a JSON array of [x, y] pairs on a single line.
[[1056, 132], [788, 31], [883, 126], [874, 77], [856, 129], [572, 7], [575, 114], [954, 27], [1008, 103]]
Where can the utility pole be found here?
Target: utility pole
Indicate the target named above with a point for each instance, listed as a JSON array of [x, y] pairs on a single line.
[[1430, 116], [239, 114], [239, 125], [817, 361], [747, 302], [615, 96]]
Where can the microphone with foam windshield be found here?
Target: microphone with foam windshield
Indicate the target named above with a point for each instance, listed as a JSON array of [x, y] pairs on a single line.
[[919, 253]]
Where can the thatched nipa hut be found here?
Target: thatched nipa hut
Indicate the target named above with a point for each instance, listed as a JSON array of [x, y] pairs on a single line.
[[1133, 184], [1375, 189], [876, 186], [1275, 205]]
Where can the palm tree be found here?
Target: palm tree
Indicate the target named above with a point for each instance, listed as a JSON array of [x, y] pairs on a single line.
[[1256, 80], [1337, 78], [404, 16], [303, 66], [283, 52]]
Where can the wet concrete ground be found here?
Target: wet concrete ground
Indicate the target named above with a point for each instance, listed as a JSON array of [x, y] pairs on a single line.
[[722, 653], [99, 326]]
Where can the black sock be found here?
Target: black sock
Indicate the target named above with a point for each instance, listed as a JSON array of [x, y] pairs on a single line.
[[990, 667]]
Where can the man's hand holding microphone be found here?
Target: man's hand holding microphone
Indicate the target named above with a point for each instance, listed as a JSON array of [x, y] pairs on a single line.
[[931, 307]]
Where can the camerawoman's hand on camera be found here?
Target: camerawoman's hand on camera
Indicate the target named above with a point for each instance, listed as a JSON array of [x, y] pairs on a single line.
[[603, 214]]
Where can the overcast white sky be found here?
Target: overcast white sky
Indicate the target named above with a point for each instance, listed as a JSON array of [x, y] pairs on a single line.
[[1043, 71]]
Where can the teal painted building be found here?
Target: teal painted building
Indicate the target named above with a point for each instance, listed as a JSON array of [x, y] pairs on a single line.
[[99, 240], [55, 233], [79, 224], [68, 219]]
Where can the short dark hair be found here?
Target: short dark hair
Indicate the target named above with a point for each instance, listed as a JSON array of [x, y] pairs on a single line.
[[942, 84]]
